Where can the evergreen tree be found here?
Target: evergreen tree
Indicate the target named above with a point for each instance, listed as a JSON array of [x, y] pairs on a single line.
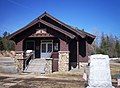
[[5, 43], [109, 45], [117, 48], [1, 44]]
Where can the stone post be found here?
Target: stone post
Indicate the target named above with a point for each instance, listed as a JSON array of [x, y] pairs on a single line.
[[63, 63], [19, 60], [48, 67]]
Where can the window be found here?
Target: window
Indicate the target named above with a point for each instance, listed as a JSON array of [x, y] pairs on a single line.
[[43, 48], [46, 46], [30, 45], [49, 48], [55, 46]]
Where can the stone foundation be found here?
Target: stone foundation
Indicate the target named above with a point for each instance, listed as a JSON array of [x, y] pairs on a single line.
[[63, 63]]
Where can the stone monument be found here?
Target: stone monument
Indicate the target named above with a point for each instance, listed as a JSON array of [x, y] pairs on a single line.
[[99, 72]]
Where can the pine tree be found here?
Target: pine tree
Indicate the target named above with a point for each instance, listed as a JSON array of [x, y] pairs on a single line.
[[117, 48], [5, 43]]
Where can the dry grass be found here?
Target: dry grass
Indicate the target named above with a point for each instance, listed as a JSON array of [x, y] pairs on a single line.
[[115, 69], [65, 75], [54, 80]]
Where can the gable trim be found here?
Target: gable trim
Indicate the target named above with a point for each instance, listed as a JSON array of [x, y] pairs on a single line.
[[57, 28], [65, 25]]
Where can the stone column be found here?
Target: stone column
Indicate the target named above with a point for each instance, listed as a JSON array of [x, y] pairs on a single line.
[[63, 63], [19, 60], [48, 67]]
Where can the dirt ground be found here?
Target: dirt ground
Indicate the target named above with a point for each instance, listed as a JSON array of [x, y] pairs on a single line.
[[54, 80], [38, 81], [43, 81]]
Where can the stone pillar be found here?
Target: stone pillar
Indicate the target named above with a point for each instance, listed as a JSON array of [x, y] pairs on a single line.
[[19, 60], [63, 63], [99, 72], [48, 67], [20, 63]]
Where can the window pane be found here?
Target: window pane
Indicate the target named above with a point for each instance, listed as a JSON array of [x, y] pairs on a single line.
[[55, 46], [49, 48], [30, 45], [43, 48]]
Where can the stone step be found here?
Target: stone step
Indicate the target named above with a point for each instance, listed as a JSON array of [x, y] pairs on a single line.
[[36, 69], [8, 65], [8, 69], [5, 58], [36, 65]]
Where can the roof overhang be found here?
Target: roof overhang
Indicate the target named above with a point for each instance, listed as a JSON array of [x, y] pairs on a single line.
[[45, 23], [39, 20]]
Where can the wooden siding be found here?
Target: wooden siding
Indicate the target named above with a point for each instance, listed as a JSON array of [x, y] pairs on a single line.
[[55, 61], [63, 45], [19, 46]]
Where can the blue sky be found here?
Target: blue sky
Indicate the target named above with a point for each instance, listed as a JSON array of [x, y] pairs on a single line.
[[91, 15]]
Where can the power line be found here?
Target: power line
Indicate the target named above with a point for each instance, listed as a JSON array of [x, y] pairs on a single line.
[[18, 4]]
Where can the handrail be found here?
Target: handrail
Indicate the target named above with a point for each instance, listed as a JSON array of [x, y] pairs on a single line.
[[27, 60]]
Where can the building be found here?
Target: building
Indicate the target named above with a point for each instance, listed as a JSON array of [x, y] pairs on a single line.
[[50, 38]]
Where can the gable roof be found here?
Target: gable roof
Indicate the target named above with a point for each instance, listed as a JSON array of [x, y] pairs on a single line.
[[79, 32], [57, 28], [39, 19]]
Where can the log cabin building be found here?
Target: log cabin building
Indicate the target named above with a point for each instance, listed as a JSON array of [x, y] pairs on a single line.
[[60, 45]]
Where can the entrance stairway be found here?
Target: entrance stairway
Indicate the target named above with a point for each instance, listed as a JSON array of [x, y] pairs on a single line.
[[36, 66]]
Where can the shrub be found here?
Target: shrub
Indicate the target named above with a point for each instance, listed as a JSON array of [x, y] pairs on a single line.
[[6, 44]]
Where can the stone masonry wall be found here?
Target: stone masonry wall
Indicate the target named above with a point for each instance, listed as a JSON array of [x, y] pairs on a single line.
[[63, 63]]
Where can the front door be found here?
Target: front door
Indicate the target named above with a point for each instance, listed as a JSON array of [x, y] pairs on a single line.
[[46, 48]]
